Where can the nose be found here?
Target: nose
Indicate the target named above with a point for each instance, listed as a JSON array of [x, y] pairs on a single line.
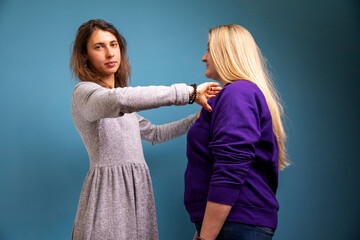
[[109, 53], [204, 58]]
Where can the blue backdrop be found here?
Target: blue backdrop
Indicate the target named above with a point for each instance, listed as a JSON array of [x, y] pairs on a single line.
[[312, 46]]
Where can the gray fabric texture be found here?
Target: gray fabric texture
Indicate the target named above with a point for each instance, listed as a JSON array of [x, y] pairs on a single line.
[[116, 200]]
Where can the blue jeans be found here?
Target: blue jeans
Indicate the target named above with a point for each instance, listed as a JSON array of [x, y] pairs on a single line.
[[239, 231]]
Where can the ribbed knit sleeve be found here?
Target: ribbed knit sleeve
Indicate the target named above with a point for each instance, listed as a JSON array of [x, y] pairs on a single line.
[[156, 134], [234, 133], [95, 102]]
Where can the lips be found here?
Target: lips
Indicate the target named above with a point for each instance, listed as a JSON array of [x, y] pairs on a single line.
[[111, 64]]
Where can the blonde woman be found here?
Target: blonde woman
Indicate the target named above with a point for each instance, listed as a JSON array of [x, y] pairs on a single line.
[[235, 152], [116, 200]]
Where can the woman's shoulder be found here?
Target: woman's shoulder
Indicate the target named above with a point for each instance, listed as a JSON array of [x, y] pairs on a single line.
[[85, 86], [241, 89], [241, 94], [243, 86]]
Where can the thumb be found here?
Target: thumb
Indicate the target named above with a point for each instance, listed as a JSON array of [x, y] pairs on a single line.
[[207, 107]]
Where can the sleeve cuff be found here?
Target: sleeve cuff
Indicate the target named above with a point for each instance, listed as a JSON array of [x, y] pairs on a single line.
[[223, 194], [182, 94]]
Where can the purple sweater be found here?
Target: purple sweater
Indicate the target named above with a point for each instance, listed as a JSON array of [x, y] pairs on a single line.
[[233, 158]]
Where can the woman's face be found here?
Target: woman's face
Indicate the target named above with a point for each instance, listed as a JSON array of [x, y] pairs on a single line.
[[103, 52], [210, 66]]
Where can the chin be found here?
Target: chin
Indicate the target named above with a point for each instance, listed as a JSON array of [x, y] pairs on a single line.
[[110, 72]]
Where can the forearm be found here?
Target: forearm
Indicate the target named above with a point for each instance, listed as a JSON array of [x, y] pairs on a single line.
[[156, 134], [95, 102], [173, 130], [214, 218]]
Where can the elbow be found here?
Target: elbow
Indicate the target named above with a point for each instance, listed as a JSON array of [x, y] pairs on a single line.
[[90, 117], [155, 143]]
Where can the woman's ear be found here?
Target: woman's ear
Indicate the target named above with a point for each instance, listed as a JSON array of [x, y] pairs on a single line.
[[86, 59]]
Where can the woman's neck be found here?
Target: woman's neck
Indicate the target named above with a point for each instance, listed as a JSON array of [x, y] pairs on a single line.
[[109, 81], [222, 82]]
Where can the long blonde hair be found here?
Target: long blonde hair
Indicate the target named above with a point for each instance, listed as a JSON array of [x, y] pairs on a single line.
[[236, 56]]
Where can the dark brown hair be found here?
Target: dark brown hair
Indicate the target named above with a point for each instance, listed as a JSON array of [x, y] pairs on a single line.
[[82, 68]]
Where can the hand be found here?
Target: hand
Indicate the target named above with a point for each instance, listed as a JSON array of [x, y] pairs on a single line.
[[205, 91], [214, 219], [195, 236]]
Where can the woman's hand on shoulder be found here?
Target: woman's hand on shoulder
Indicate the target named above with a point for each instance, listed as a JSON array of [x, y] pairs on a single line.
[[205, 91]]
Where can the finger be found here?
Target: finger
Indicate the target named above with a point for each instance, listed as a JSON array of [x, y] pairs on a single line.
[[216, 88], [213, 84], [211, 96], [207, 107], [212, 92]]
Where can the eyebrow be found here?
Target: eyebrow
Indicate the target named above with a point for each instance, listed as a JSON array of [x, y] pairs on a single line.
[[101, 43]]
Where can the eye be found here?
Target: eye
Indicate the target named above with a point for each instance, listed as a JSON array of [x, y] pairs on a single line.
[[98, 47], [114, 44], [207, 49]]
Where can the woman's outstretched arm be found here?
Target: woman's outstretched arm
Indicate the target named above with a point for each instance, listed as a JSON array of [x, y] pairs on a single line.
[[95, 102]]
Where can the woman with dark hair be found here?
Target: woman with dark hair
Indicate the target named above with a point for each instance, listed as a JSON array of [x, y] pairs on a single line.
[[116, 200]]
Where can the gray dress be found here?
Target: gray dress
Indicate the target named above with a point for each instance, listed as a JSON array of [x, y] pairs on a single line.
[[116, 200]]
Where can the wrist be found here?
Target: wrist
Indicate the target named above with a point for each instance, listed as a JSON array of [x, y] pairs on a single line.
[[191, 89], [192, 96]]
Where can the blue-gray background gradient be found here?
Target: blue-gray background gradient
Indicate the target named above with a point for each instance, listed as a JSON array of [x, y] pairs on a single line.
[[312, 46]]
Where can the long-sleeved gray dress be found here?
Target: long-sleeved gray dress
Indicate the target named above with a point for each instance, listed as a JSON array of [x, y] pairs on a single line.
[[116, 200]]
